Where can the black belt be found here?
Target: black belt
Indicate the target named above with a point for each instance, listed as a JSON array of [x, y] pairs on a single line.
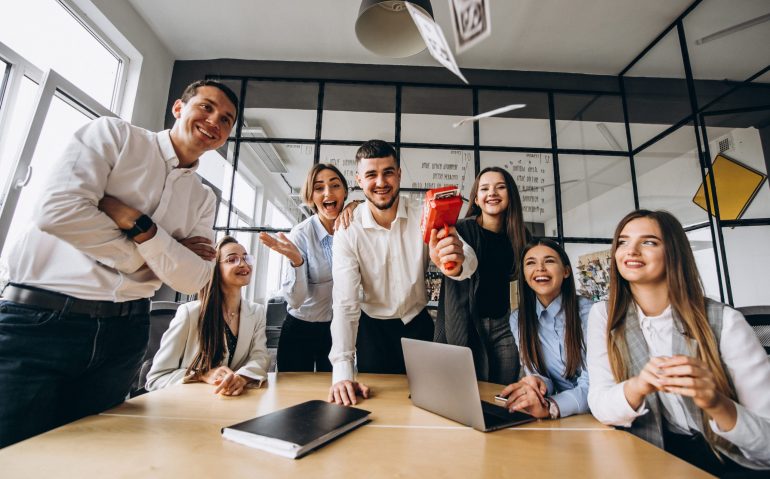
[[56, 301]]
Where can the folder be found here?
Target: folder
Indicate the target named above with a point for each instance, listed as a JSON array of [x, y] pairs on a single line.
[[297, 430]]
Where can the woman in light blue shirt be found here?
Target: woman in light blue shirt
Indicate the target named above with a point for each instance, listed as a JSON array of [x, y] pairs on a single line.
[[549, 328], [307, 283]]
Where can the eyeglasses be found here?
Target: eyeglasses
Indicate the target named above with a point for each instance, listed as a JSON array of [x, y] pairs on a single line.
[[234, 260]]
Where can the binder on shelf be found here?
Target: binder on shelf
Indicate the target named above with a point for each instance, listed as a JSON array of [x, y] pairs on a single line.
[[297, 430]]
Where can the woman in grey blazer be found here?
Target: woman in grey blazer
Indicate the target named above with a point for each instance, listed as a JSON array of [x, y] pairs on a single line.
[[218, 339]]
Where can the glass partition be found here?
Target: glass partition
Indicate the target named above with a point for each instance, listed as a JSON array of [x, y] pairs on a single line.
[[359, 112], [590, 122], [276, 109], [428, 115], [596, 192], [526, 127]]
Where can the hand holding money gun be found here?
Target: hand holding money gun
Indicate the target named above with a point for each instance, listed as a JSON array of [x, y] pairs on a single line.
[[441, 209]]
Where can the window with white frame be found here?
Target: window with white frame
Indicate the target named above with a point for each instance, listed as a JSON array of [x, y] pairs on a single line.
[[63, 41], [52, 81]]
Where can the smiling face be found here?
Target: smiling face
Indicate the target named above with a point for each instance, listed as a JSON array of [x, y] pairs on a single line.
[[640, 254], [328, 195], [236, 274], [380, 179], [544, 272], [492, 195], [204, 122]]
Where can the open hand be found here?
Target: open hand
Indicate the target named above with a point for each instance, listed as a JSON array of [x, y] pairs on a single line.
[[281, 244]]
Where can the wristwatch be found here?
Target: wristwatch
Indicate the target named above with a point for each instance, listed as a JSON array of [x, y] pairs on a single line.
[[553, 408], [141, 225]]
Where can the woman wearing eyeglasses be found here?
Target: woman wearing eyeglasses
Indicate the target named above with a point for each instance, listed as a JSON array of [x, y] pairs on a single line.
[[220, 338]]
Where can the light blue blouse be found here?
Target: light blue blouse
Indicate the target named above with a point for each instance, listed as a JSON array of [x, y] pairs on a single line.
[[308, 288], [571, 395]]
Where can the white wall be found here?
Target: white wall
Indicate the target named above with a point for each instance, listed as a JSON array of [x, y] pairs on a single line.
[[151, 63]]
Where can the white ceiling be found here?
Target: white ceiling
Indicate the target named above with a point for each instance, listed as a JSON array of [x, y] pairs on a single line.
[[596, 36]]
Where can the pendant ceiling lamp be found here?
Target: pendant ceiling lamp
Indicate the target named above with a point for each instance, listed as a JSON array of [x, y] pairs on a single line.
[[384, 27]]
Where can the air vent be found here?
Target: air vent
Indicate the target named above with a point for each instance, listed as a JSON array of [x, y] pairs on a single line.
[[725, 144]]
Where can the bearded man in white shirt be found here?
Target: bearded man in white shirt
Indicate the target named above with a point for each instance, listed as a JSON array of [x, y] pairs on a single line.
[[123, 214], [382, 252]]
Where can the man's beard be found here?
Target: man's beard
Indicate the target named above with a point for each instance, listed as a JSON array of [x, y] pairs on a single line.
[[386, 205]]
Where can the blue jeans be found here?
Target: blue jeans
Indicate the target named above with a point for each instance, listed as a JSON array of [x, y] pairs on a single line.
[[56, 367]]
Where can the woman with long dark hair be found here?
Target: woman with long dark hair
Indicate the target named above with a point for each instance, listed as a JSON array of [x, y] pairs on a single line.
[[682, 371], [220, 338], [549, 328], [475, 312]]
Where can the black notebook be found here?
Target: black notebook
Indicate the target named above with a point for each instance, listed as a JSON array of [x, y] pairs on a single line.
[[297, 430]]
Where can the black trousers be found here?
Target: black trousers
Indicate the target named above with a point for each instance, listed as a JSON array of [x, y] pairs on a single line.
[[696, 451], [304, 346], [378, 347], [56, 366]]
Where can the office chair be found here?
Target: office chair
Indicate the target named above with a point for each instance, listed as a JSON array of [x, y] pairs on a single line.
[[161, 314], [276, 314], [759, 319]]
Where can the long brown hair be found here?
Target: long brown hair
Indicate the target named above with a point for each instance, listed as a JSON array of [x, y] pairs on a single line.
[[514, 219], [211, 321], [685, 294], [529, 339]]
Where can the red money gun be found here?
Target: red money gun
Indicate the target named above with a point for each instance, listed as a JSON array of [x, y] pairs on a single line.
[[441, 209]]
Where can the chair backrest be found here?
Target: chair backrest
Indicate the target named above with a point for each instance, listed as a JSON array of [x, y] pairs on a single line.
[[161, 314], [276, 314], [759, 319]]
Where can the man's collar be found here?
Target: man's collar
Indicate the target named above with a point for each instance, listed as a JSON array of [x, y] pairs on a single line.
[[169, 153], [367, 218]]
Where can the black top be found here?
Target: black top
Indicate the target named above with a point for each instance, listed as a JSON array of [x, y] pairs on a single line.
[[232, 340], [494, 270]]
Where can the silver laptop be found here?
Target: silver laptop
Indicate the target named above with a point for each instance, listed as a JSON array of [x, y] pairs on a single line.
[[442, 380]]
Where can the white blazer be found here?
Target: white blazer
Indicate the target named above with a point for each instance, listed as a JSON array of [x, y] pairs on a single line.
[[179, 346]]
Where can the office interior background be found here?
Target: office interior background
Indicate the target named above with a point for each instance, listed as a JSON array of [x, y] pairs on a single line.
[[628, 105]]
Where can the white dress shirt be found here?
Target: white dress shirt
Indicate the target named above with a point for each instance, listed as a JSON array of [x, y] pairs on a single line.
[[388, 266], [180, 345], [308, 287], [743, 355], [75, 249]]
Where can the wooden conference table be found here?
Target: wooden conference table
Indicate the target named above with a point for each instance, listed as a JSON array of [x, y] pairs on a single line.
[[175, 433]]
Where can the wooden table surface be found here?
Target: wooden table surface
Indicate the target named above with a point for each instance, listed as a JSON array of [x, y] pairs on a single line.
[[175, 432]]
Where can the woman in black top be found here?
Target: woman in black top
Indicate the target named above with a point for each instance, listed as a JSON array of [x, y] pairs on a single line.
[[475, 312]]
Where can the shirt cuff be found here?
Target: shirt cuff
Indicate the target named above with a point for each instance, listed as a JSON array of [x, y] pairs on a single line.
[[626, 414], [569, 403], [740, 432], [155, 246], [343, 371]]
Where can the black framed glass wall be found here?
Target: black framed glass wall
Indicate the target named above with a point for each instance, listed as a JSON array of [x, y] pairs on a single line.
[[582, 158], [700, 140]]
